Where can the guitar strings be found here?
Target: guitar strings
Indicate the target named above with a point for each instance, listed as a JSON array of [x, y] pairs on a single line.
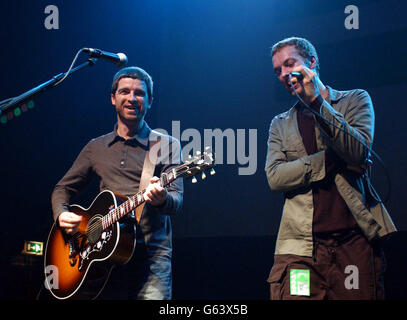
[[95, 226]]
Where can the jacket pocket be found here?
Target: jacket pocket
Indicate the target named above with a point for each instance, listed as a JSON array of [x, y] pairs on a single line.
[[275, 279]]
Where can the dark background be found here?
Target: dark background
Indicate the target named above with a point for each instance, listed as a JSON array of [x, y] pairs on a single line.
[[211, 67]]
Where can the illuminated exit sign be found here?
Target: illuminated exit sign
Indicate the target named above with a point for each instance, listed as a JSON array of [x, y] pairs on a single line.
[[33, 247]]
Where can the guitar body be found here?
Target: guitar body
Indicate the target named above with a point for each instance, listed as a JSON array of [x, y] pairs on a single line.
[[78, 266]]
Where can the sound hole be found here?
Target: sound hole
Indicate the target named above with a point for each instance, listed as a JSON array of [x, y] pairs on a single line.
[[94, 229]]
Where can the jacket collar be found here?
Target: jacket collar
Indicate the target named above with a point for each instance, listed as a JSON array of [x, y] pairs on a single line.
[[333, 95]]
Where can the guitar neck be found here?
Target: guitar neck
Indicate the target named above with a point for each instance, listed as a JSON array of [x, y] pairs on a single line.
[[119, 212], [133, 202], [199, 163]]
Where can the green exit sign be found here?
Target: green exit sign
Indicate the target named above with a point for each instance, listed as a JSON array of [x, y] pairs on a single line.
[[33, 247]]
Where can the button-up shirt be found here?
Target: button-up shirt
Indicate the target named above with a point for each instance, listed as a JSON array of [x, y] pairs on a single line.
[[331, 213], [118, 164]]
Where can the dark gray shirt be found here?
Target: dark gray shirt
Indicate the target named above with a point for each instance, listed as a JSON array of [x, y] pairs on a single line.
[[118, 163]]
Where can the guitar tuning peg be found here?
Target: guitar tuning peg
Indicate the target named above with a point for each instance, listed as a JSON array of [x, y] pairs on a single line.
[[203, 175], [194, 180], [212, 172], [207, 147], [198, 153]]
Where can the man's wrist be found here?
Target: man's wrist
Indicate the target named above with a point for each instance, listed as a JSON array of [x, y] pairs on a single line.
[[163, 204]]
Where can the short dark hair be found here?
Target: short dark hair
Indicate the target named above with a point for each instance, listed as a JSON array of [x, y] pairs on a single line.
[[304, 47], [134, 73]]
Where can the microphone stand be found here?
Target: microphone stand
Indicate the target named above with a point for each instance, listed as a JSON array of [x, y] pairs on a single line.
[[13, 103]]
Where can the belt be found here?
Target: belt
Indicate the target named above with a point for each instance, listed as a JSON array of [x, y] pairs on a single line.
[[336, 238]]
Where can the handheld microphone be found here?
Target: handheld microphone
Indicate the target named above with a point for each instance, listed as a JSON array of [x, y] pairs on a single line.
[[298, 75], [119, 59]]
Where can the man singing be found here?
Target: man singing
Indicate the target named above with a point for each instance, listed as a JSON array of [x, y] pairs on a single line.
[[328, 244]]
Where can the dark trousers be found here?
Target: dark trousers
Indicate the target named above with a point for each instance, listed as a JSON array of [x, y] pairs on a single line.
[[144, 277], [344, 266]]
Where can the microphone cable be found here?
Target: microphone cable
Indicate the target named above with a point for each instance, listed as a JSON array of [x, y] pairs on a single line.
[[367, 173], [70, 67]]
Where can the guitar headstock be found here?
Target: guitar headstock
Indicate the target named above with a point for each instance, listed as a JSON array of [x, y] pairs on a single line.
[[201, 162]]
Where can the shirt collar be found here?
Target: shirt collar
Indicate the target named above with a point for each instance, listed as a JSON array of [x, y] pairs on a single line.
[[142, 136]]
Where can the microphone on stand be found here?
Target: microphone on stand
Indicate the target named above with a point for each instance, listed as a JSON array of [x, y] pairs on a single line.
[[119, 59]]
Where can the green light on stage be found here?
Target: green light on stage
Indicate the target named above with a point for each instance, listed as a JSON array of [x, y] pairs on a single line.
[[33, 247], [4, 118], [17, 112], [30, 104]]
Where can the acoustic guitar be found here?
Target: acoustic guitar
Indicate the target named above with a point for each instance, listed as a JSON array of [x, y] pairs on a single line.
[[78, 266]]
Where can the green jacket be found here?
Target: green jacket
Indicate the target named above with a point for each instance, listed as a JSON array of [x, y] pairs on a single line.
[[291, 170]]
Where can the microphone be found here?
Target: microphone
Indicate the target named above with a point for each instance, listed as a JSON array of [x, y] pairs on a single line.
[[298, 75], [118, 59]]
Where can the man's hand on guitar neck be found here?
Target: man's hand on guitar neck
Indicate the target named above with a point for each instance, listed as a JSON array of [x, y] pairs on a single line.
[[69, 221], [155, 194]]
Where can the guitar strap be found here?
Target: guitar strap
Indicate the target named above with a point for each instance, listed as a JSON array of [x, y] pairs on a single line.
[[147, 173]]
